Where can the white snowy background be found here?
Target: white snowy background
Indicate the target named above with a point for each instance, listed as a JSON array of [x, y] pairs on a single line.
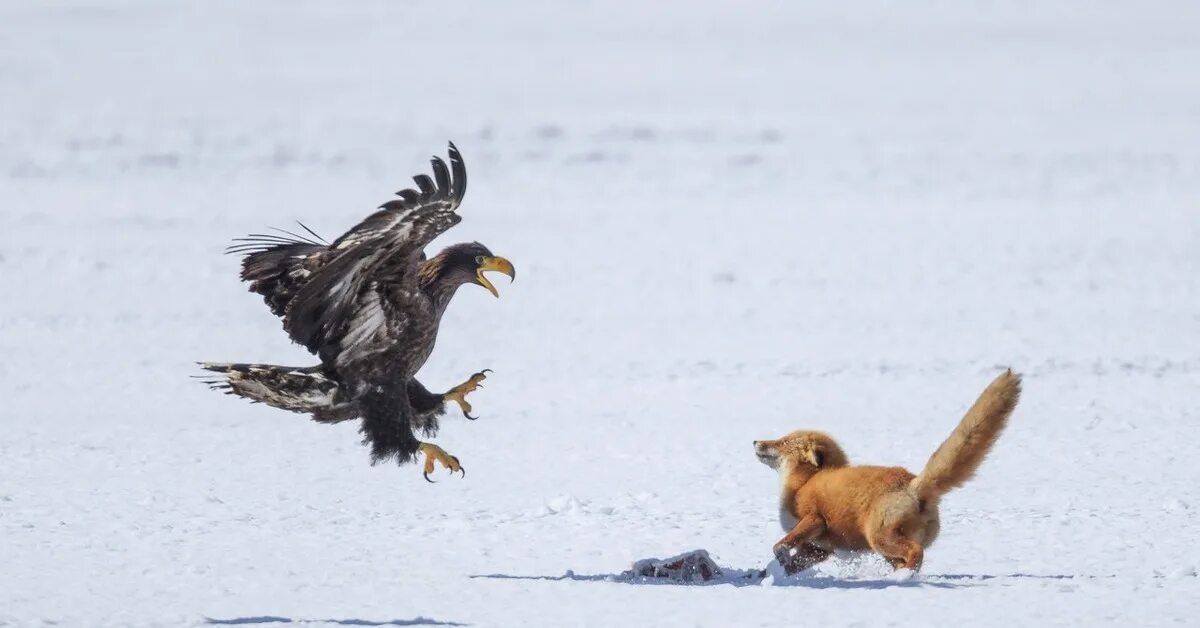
[[729, 220]]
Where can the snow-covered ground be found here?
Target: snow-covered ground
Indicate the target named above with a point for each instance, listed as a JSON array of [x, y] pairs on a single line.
[[729, 220]]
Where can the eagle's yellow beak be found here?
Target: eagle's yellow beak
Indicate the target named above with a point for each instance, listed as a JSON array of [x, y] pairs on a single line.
[[498, 264]]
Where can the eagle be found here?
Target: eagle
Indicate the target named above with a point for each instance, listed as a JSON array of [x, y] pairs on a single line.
[[369, 306]]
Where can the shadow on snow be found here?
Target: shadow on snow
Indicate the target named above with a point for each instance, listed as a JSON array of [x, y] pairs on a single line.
[[274, 619], [755, 577], [741, 578]]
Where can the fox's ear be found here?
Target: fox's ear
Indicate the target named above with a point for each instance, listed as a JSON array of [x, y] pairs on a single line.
[[816, 455]]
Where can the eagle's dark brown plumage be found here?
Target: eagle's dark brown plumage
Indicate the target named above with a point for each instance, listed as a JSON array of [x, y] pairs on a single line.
[[368, 305]]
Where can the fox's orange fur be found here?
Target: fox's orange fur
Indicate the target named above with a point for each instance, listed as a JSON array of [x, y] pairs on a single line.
[[826, 504]]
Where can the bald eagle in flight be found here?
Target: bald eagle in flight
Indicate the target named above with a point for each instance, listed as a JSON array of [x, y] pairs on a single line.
[[368, 305]]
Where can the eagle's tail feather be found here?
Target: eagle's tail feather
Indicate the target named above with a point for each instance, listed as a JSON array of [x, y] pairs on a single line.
[[297, 389]]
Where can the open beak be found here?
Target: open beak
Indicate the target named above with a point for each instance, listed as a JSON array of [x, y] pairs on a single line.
[[498, 264]]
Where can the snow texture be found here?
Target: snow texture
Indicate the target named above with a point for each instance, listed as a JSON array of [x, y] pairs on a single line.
[[729, 220]]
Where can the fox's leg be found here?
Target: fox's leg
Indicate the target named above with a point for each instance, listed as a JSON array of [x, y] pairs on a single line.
[[899, 550], [806, 556], [897, 526], [795, 552]]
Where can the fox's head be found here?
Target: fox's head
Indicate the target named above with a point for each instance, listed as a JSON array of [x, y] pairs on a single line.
[[801, 449]]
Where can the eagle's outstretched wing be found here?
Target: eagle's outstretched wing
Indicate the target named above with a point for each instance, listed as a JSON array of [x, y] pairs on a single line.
[[442, 193], [278, 265], [358, 303]]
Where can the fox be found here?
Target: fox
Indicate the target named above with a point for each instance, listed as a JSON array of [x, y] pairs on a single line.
[[826, 504]]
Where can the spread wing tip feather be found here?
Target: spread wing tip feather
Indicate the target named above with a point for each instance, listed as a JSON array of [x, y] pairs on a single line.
[[448, 183], [441, 174], [428, 189], [459, 170], [257, 242]]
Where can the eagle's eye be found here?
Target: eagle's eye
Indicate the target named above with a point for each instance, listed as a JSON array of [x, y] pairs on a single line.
[[478, 259]]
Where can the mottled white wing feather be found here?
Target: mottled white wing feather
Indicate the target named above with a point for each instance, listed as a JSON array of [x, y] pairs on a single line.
[[339, 313]]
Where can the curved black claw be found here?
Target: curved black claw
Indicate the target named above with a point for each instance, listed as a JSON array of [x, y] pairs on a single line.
[[486, 371], [470, 418], [460, 468]]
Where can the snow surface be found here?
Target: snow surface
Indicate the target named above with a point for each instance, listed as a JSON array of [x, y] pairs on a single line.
[[729, 220]]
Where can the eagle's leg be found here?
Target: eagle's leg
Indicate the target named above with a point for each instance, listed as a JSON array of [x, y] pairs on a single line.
[[434, 453], [458, 394]]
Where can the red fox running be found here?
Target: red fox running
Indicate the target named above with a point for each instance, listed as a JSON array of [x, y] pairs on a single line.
[[828, 505]]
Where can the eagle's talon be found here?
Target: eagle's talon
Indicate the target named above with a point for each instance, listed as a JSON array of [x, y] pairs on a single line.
[[458, 394], [433, 454]]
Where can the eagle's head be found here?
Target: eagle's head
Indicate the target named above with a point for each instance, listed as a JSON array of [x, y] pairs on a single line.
[[464, 263]]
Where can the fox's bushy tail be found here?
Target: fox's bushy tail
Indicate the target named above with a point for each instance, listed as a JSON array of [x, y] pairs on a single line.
[[956, 460]]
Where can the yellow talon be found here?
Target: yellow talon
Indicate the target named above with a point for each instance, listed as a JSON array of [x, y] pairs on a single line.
[[434, 453], [458, 394]]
